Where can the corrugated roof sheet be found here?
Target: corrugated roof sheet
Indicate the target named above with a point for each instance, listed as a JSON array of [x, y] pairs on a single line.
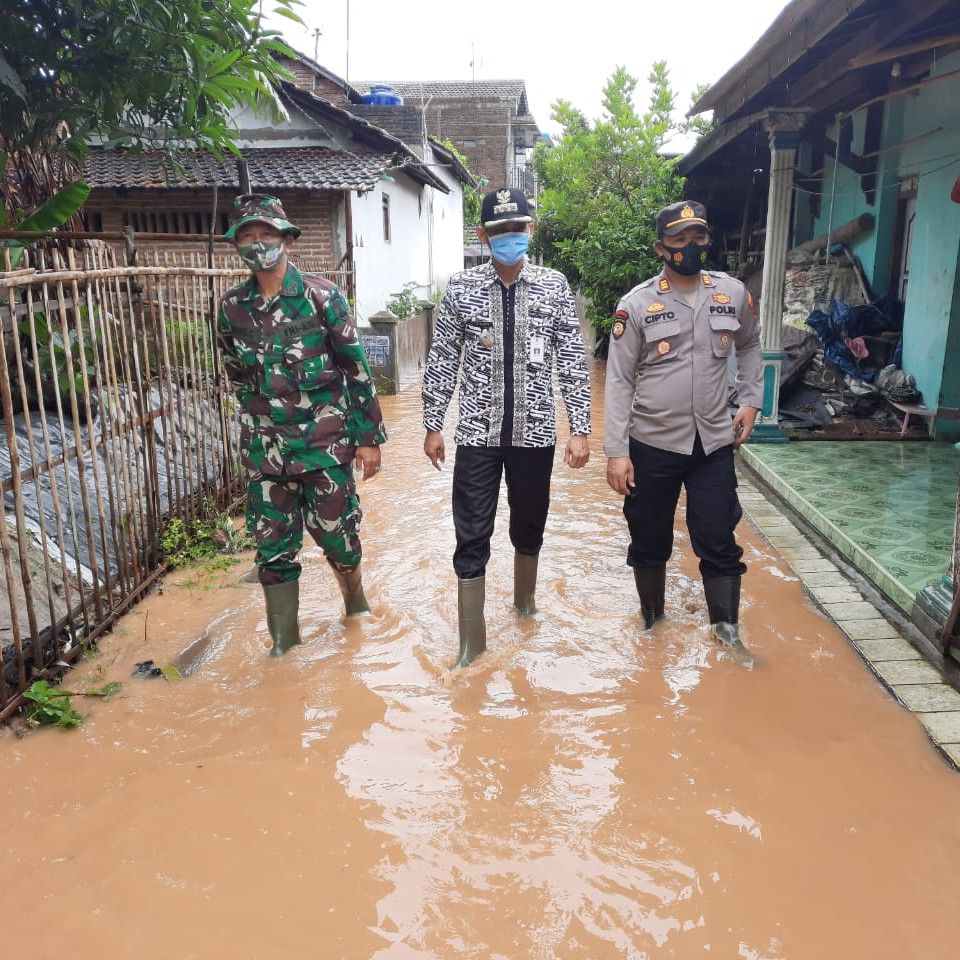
[[272, 168]]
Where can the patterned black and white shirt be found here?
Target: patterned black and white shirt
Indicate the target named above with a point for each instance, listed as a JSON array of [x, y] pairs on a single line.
[[509, 341]]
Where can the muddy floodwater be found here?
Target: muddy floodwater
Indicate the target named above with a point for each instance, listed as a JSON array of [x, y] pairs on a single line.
[[581, 791]]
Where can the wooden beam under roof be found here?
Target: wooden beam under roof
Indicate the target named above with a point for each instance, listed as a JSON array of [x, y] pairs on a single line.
[[882, 29], [895, 53], [801, 25]]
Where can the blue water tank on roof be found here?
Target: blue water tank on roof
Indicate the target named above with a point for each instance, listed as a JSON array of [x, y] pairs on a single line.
[[382, 95]]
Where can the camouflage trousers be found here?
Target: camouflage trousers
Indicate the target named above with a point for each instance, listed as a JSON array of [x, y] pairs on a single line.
[[323, 501]]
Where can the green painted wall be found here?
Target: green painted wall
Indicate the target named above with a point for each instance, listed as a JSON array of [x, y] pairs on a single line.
[[928, 118]]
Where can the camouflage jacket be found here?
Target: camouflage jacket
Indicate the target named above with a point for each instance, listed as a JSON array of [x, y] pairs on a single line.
[[306, 396]]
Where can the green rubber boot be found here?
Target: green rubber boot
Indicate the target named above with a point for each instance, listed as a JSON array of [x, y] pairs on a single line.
[[651, 586], [473, 628], [351, 586], [283, 605], [525, 582]]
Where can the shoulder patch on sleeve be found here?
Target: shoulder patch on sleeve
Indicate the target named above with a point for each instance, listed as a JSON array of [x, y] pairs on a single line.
[[619, 326], [338, 305]]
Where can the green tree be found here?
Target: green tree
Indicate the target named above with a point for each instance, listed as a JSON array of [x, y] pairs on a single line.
[[156, 73], [472, 197], [702, 123], [600, 189]]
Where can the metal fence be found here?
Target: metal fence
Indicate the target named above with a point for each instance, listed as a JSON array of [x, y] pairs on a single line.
[[115, 420]]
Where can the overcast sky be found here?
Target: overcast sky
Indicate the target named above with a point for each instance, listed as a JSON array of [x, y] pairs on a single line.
[[559, 55]]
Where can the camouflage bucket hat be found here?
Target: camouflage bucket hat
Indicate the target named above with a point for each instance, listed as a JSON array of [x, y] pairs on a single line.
[[257, 207]]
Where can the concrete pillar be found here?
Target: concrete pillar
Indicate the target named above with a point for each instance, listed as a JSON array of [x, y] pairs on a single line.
[[783, 128]]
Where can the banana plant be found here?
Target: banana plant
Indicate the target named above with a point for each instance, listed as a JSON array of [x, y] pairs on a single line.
[[51, 214]]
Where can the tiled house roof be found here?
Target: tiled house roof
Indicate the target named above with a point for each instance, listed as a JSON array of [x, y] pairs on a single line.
[[272, 168], [412, 91]]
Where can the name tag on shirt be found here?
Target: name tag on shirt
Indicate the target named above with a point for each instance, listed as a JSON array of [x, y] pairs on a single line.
[[536, 349]]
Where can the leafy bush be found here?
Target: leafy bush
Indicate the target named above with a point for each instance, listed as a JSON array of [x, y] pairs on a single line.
[[185, 542], [406, 303]]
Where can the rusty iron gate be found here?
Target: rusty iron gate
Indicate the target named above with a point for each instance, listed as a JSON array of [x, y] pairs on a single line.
[[115, 420]]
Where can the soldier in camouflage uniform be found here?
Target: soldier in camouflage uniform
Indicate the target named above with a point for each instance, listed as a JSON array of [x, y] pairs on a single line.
[[308, 411]]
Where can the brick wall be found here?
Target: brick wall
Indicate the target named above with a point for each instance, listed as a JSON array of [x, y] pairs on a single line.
[[188, 211], [479, 130], [306, 79], [402, 121]]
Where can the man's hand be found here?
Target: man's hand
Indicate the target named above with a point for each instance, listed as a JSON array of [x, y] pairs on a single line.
[[743, 424], [577, 452], [620, 475], [368, 459], [433, 447]]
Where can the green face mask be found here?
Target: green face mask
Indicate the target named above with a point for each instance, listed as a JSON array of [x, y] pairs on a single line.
[[261, 256]]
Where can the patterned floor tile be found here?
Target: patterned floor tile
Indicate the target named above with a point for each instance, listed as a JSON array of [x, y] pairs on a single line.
[[887, 506]]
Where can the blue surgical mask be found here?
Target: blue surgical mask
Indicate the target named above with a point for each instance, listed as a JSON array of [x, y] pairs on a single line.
[[262, 256], [509, 248]]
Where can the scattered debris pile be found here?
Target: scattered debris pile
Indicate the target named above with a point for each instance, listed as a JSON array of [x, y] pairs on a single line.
[[841, 375]]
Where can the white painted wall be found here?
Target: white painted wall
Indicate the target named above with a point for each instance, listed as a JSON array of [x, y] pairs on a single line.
[[383, 267], [447, 228], [422, 219]]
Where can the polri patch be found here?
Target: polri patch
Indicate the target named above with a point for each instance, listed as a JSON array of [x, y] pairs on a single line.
[[618, 329], [663, 347], [724, 340]]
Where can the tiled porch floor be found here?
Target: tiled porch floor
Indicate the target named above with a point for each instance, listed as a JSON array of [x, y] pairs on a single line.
[[888, 507], [920, 686]]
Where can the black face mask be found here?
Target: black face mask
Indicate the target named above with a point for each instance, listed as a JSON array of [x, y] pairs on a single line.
[[687, 260]]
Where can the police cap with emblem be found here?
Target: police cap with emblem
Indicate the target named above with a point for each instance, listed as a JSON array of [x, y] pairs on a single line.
[[506, 205], [676, 217]]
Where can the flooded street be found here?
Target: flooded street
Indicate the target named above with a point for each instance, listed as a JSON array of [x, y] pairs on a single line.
[[579, 792]]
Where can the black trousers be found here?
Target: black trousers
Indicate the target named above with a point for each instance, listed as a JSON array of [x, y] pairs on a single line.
[[713, 508], [476, 490]]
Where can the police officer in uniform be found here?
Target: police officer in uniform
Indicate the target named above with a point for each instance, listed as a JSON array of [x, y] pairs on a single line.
[[308, 412], [667, 420]]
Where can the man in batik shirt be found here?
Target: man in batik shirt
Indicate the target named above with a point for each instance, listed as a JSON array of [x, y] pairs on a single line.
[[505, 328]]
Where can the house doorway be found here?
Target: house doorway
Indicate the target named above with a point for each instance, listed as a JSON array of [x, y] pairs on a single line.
[[903, 237]]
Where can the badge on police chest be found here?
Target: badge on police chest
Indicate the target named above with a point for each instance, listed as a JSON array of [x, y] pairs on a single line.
[[663, 347]]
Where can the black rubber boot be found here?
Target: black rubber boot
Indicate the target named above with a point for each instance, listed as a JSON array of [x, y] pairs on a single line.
[[283, 605], [525, 581], [351, 586], [651, 585], [473, 628], [723, 605]]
